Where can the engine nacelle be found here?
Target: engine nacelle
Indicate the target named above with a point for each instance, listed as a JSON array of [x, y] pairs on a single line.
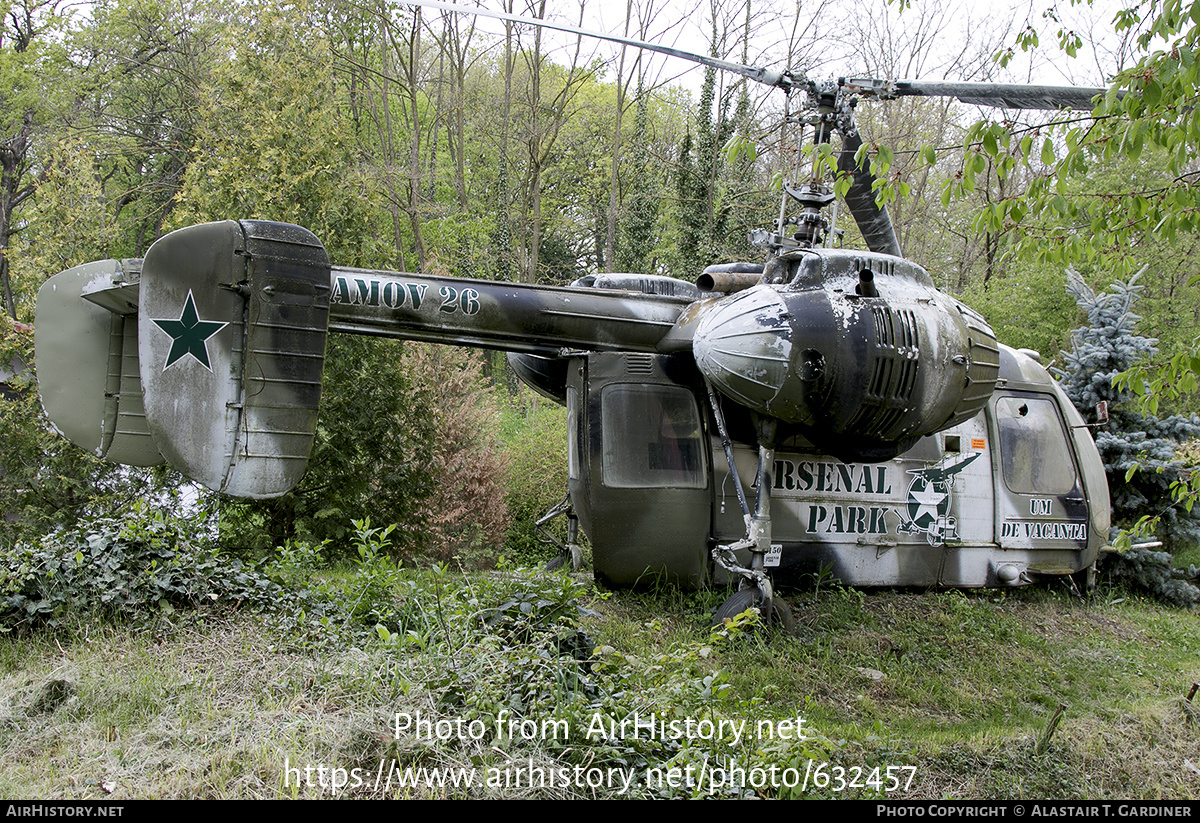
[[860, 352]]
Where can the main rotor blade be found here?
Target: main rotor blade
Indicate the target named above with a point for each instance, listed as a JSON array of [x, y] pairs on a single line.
[[782, 80], [1000, 95]]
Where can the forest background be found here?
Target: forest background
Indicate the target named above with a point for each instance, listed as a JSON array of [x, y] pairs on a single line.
[[418, 140], [156, 641]]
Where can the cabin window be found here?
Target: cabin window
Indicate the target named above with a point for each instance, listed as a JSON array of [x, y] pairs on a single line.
[[1033, 446], [652, 437]]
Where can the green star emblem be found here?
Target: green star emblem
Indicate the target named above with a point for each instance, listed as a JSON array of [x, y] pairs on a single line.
[[189, 334]]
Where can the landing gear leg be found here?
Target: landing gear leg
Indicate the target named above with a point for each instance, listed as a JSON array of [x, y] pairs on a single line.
[[570, 555], [755, 589], [1083, 582]]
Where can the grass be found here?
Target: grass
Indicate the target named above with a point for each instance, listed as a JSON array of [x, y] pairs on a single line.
[[1187, 556], [959, 687]]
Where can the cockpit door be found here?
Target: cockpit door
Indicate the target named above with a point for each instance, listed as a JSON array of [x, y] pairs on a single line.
[[1040, 501]]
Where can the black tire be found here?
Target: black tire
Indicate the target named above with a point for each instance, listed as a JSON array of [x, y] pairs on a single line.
[[781, 618], [572, 560]]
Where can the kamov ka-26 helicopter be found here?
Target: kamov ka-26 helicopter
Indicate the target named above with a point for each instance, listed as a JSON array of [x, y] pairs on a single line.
[[822, 411]]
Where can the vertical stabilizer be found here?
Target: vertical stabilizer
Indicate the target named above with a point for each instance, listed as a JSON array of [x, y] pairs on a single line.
[[87, 364], [234, 317]]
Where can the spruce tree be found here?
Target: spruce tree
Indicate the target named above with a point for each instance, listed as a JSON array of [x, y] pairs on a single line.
[[1101, 350]]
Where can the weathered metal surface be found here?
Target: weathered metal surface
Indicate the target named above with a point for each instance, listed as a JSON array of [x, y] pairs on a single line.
[[941, 513], [238, 315], [645, 507], [189, 351], [914, 444], [866, 376], [1003, 95], [545, 375], [890, 438], [236, 318], [508, 316], [873, 220], [87, 365], [938, 514]]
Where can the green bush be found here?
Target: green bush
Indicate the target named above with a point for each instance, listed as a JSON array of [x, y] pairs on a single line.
[[535, 435], [135, 567], [407, 436], [46, 482], [1144, 570]]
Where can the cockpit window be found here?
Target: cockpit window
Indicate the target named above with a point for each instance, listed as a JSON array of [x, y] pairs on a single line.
[[652, 437], [1033, 447]]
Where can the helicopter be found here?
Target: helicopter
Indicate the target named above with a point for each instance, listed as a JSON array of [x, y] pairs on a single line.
[[823, 411]]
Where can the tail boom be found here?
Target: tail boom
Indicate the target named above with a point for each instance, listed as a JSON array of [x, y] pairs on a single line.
[[222, 340]]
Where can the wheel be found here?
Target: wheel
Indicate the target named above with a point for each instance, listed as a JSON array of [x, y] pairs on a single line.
[[572, 560], [781, 618]]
